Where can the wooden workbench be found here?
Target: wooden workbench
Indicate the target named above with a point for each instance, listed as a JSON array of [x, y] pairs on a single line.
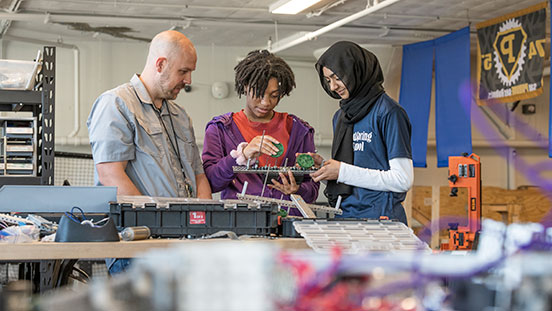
[[123, 249]]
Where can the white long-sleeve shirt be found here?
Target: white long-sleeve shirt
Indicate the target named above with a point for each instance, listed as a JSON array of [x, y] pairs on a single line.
[[399, 178]]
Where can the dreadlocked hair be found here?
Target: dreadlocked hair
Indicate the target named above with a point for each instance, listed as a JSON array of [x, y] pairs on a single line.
[[254, 72]]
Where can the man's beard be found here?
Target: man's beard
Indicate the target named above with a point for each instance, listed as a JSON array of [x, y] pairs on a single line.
[[166, 90]]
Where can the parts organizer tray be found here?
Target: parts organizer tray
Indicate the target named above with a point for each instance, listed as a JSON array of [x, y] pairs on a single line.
[[183, 217], [18, 146], [359, 235]]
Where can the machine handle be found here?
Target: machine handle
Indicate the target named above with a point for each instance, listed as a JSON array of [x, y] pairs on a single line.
[[453, 192], [453, 178]]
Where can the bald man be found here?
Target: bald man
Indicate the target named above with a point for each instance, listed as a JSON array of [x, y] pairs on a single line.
[[142, 142]]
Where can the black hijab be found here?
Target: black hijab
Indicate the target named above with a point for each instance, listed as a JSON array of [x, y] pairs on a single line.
[[361, 73]]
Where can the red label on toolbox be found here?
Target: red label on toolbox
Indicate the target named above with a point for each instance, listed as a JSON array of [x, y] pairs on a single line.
[[197, 218]]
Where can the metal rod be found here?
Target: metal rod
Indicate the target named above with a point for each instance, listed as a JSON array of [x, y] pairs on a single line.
[[285, 164], [266, 178], [261, 145], [244, 187], [338, 204]]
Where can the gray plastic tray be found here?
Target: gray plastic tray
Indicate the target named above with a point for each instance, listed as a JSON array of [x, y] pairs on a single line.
[[55, 199]]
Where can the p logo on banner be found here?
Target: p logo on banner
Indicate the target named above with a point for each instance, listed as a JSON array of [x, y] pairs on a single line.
[[509, 51]]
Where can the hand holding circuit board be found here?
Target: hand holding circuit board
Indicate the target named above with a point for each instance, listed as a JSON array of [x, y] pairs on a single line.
[[325, 170], [303, 161], [262, 144]]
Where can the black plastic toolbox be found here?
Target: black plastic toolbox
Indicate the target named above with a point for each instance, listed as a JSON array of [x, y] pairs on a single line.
[[196, 220]]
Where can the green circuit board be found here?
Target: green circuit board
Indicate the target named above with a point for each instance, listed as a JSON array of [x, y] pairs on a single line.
[[280, 150], [305, 161]]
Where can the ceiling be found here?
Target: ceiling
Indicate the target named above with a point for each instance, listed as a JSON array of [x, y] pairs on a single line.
[[244, 22]]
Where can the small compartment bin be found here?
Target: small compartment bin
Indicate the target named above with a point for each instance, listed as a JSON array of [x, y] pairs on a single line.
[[17, 74]]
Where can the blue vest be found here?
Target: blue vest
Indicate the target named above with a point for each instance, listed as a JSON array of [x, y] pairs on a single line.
[[383, 134]]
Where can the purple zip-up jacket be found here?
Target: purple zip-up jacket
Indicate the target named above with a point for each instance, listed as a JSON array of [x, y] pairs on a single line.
[[222, 136]]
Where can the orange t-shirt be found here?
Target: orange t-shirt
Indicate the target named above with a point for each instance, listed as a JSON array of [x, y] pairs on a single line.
[[279, 127]]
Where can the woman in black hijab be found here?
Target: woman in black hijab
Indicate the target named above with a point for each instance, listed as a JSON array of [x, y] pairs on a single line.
[[371, 166]]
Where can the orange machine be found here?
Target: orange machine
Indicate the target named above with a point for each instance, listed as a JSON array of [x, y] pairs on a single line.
[[465, 172]]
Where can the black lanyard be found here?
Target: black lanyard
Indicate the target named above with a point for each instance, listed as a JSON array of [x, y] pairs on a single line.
[[175, 144]]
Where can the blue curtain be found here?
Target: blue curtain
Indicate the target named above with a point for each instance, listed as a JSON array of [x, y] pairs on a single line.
[[452, 95], [415, 94]]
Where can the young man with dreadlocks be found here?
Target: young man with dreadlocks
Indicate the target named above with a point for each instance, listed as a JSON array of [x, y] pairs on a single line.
[[236, 138]]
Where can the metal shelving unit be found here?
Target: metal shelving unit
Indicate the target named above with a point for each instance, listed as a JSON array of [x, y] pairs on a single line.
[[41, 102]]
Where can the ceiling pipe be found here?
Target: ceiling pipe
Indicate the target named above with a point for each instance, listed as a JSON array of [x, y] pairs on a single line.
[[428, 17], [325, 8], [40, 42], [176, 6], [76, 72], [84, 18], [312, 35]]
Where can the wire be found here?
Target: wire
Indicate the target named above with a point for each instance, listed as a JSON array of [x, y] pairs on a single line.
[[72, 217], [84, 277], [97, 223], [80, 210]]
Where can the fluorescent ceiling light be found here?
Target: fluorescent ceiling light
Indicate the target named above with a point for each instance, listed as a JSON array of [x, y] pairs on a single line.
[[291, 6]]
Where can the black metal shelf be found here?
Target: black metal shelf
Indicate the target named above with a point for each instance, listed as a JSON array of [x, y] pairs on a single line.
[[41, 103], [17, 96]]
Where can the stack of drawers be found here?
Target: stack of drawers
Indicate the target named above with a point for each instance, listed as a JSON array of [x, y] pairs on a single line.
[[18, 146]]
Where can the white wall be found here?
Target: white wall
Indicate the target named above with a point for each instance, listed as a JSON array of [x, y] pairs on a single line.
[[104, 65]]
